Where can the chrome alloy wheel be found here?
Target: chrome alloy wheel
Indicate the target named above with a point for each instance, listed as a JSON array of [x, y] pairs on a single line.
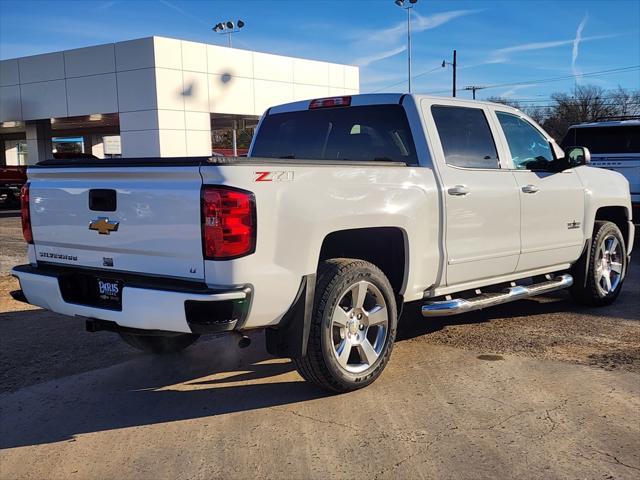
[[359, 327], [609, 265]]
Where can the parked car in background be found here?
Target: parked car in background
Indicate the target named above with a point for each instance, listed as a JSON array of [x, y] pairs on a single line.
[[12, 178], [614, 145], [345, 209]]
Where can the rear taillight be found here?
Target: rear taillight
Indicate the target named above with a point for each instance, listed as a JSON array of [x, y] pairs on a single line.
[[228, 223], [25, 214], [330, 102]]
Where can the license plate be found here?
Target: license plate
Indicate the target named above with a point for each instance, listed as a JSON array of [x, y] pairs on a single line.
[[108, 293]]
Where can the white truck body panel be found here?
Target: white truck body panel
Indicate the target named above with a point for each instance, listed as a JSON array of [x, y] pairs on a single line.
[[482, 232], [158, 210], [395, 196]]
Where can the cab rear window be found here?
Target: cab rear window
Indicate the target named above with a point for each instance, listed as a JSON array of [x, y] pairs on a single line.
[[360, 133]]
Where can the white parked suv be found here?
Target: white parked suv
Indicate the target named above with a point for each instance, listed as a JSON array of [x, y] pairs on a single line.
[[614, 145], [345, 209]]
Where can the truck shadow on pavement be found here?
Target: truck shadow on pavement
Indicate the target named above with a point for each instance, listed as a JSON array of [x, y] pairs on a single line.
[[210, 379]]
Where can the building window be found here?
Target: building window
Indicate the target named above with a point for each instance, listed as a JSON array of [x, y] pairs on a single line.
[[15, 152], [222, 132], [64, 145]]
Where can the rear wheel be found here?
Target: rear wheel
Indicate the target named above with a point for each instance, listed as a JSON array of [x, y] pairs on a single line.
[[160, 344], [353, 326], [606, 268]]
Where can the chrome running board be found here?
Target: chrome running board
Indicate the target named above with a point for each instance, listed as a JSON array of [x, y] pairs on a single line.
[[455, 306]]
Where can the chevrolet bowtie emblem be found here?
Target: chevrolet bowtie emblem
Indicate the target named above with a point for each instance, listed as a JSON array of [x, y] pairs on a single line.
[[103, 226]]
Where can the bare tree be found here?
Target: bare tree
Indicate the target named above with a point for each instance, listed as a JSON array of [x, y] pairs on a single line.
[[504, 101], [627, 103], [538, 114], [588, 103]]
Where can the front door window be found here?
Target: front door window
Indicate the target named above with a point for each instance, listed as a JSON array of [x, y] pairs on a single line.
[[530, 150]]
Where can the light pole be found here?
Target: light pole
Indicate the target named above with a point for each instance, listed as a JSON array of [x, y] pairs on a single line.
[[227, 28], [473, 88], [454, 65], [408, 8]]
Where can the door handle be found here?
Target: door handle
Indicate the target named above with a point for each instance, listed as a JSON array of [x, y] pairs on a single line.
[[530, 189], [459, 190]]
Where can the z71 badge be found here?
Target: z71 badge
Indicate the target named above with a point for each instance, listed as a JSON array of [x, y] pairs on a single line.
[[273, 176]]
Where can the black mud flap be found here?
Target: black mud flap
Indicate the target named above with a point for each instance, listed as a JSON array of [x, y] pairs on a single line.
[[580, 270], [290, 337]]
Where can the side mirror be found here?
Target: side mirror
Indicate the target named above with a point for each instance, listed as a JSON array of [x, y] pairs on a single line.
[[577, 156]]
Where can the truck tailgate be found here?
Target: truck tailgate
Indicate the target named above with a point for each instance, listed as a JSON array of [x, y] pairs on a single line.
[[154, 226]]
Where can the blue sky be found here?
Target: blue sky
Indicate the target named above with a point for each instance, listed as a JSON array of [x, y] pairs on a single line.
[[498, 42]]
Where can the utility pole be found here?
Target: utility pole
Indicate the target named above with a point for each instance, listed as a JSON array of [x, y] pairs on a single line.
[[454, 65], [473, 88]]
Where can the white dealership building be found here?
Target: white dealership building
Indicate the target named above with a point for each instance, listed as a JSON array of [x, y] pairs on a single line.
[[150, 97]]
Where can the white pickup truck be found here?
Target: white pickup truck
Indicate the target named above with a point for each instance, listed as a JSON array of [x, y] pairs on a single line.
[[345, 209]]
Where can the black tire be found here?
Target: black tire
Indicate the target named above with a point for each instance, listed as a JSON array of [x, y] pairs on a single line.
[[320, 365], [160, 344], [586, 290]]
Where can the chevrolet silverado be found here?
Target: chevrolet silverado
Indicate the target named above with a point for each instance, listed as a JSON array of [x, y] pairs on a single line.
[[345, 209]]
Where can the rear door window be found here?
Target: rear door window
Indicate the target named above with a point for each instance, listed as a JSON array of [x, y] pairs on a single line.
[[465, 136], [360, 133]]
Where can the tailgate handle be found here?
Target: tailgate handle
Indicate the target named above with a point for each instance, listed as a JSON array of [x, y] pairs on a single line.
[[102, 200]]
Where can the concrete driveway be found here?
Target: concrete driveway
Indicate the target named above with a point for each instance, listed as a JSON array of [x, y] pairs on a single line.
[[536, 389]]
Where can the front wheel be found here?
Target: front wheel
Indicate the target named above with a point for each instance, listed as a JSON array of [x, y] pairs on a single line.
[[159, 344], [353, 326], [606, 267]]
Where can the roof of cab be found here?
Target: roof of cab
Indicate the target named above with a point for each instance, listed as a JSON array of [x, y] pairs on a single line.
[[381, 99]]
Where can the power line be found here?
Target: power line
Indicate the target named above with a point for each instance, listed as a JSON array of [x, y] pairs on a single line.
[[473, 88], [612, 104], [526, 82], [556, 79], [566, 77], [549, 99], [388, 86], [404, 81]]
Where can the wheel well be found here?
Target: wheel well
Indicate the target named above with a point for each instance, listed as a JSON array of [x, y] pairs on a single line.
[[382, 246], [617, 215]]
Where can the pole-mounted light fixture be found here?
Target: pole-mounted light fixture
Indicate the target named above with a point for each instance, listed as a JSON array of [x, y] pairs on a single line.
[[227, 28], [401, 4]]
